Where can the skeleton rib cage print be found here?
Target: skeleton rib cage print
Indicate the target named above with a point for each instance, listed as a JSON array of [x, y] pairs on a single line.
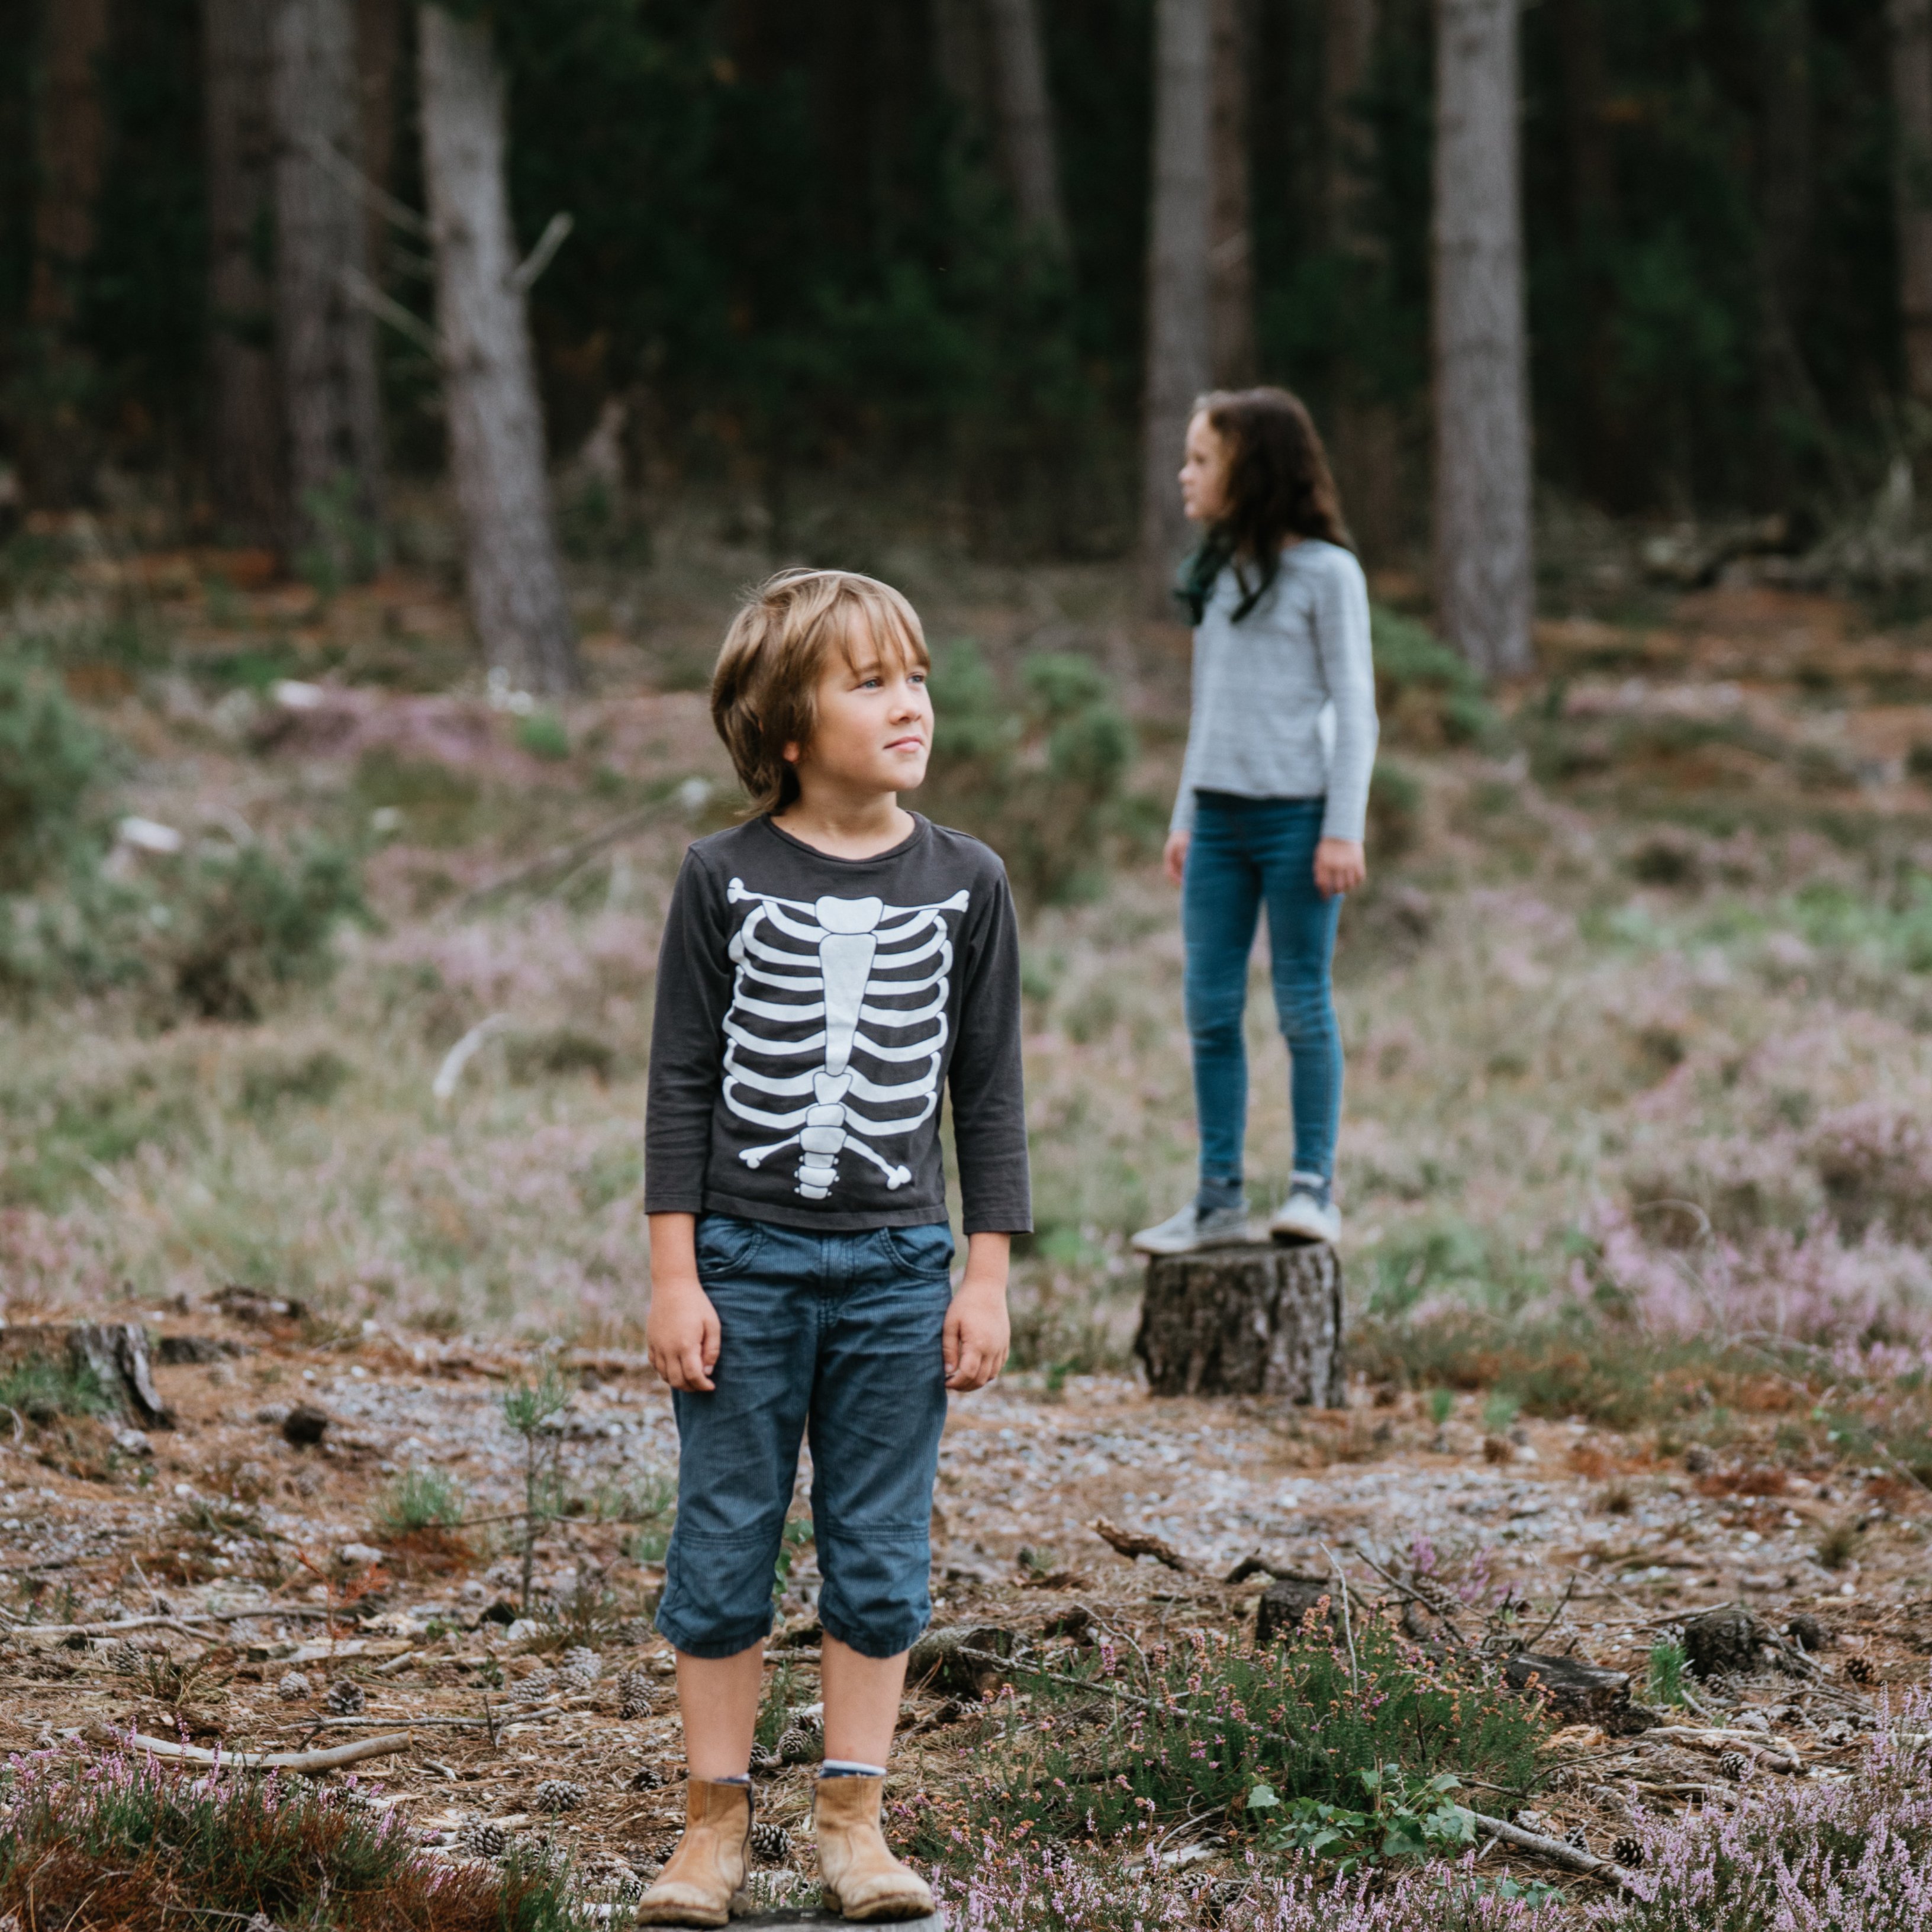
[[816, 985]]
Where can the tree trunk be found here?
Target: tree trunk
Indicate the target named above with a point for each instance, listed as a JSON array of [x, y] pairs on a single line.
[[960, 57], [1231, 266], [1026, 117], [379, 54], [1366, 443], [1483, 533], [1253, 1320], [72, 144], [1911, 186], [496, 422], [245, 447], [1178, 366], [325, 339]]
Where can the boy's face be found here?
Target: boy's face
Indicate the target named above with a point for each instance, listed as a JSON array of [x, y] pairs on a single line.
[[873, 729]]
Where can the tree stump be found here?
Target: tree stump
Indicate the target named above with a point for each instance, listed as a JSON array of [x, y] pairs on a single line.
[[115, 1353], [1256, 1319]]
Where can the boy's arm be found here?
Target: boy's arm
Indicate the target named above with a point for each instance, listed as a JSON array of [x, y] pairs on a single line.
[[988, 1088], [693, 988]]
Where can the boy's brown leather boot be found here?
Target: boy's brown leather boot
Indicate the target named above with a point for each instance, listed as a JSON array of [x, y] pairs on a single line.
[[860, 1878], [705, 1876]]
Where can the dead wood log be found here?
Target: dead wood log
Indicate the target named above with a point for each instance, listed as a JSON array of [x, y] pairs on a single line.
[[113, 1354], [302, 1761], [1132, 1543], [1580, 1692], [961, 1660], [1255, 1319], [1558, 1852]]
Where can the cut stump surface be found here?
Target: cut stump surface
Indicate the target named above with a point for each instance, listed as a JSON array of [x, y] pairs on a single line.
[[1255, 1319]]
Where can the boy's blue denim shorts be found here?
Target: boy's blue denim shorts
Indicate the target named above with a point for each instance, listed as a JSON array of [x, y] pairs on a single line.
[[836, 1336]]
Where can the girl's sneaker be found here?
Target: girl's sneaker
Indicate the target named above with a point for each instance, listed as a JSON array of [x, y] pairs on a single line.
[[1194, 1227], [1308, 1215]]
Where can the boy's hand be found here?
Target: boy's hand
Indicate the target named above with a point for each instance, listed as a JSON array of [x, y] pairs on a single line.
[[978, 1332], [682, 1334]]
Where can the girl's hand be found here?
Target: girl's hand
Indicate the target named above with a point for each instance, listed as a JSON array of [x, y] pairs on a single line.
[[1174, 857], [1339, 866], [978, 1331]]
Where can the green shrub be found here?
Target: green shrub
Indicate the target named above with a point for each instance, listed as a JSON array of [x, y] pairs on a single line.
[[252, 924], [48, 757], [1426, 694], [42, 1390], [271, 1079], [1395, 812], [1042, 782], [1211, 1719], [419, 1499], [543, 735], [123, 1842]]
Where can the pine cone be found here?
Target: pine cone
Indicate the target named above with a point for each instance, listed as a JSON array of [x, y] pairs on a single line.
[[125, 1660], [530, 1690], [582, 1667], [558, 1794], [633, 1631], [763, 1758], [294, 1686], [1627, 1852], [1859, 1669], [771, 1843], [645, 1777], [801, 1744], [1576, 1838], [1734, 1766], [482, 1840], [345, 1698], [636, 1694]]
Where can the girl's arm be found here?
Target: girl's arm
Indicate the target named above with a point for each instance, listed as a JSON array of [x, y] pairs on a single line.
[[1341, 621]]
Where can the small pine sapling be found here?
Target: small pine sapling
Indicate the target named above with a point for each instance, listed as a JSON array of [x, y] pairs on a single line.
[[530, 1409]]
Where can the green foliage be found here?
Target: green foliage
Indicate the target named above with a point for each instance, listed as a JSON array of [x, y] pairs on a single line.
[[542, 734], [1441, 1405], [1395, 812], [797, 1533], [1043, 781], [530, 1411], [314, 1078], [344, 545], [775, 1705], [128, 1843], [253, 924], [1402, 1816], [48, 757], [419, 1499], [43, 1391], [1665, 1684], [1428, 695], [1213, 1719]]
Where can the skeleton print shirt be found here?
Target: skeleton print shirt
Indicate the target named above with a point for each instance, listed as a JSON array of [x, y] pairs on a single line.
[[809, 1011]]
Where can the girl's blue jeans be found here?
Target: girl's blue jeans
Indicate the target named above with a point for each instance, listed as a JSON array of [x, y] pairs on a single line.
[[1246, 852]]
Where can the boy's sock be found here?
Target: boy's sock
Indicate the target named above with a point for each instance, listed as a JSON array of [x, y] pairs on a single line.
[[846, 1767], [1218, 1192], [1316, 1184]]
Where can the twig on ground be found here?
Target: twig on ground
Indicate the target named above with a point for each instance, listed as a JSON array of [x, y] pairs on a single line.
[[302, 1761], [1348, 1627], [178, 1620], [1549, 1623], [1133, 1542], [1414, 1596], [1558, 1853]]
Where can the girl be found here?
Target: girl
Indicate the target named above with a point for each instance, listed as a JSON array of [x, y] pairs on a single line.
[[1274, 791]]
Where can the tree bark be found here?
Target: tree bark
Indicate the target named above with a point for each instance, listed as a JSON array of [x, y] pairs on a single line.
[[113, 1353], [496, 422], [72, 144], [1483, 503], [1027, 142], [1231, 267], [1178, 343], [325, 340], [379, 54], [244, 429], [1367, 446], [1253, 1320], [1911, 186]]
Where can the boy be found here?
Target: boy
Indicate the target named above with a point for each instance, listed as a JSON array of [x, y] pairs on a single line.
[[825, 966]]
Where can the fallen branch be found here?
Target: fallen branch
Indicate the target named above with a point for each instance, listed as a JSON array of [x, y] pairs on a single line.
[[1717, 1738], [177, 1620], [1559, 1853], [301, 1761], [1133, 1542], [564, 857], [1414, 1596]]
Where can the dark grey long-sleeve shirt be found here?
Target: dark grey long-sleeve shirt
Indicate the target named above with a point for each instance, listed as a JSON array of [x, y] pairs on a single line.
[[811, 1012]]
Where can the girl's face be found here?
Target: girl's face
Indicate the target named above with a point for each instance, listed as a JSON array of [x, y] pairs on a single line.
[[1204, 473]]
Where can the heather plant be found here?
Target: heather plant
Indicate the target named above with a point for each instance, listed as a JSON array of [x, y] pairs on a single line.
[[123, 1842], [1850, 1856], [1197, 1727]]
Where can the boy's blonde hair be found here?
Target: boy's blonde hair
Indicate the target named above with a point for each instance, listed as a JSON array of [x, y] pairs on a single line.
[[764, 689]]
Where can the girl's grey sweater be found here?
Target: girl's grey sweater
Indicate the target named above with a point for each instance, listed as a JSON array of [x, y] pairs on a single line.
[[1285, 700]]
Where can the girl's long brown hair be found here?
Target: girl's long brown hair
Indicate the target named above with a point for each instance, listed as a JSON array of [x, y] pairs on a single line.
[[1278, 487]]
